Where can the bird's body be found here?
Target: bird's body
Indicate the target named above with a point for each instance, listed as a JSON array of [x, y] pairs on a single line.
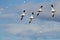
[[52, 14], [23, 14], [52, 10], [31, 17], [39, 10]]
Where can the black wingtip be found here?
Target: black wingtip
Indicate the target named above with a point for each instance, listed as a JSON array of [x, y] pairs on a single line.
[[37, 14], [32, 13], [53, 15], [29, 22], [41, 6], [52, 5], [21, 18], [23, 10]]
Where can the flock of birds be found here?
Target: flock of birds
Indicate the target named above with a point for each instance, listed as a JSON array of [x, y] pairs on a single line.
[[39, 11]]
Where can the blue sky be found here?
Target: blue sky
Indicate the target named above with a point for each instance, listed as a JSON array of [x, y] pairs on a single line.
[[43, 27]]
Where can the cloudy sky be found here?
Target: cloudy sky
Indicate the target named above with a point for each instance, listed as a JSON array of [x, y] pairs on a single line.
[[43, 27]]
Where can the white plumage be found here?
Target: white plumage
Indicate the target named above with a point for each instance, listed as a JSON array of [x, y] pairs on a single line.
[[39, 10], [52, 10], [23, 14], [31, 17]]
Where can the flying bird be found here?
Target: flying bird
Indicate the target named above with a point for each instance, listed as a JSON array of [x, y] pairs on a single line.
[[23, 14], [52, 10], [39, 10], [31, 17]]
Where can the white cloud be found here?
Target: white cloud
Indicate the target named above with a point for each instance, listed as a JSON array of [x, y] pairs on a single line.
[[27, 31], [9, 15], [33, 28], [1, 9], [0, 12]]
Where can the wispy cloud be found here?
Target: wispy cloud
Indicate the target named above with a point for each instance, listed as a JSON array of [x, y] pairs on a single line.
[[32, 30], [39, 28]]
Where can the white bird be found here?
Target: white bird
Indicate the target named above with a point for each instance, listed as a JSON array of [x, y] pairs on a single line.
[[39, 10], [52, 10], [31, 17], [23, 14]]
